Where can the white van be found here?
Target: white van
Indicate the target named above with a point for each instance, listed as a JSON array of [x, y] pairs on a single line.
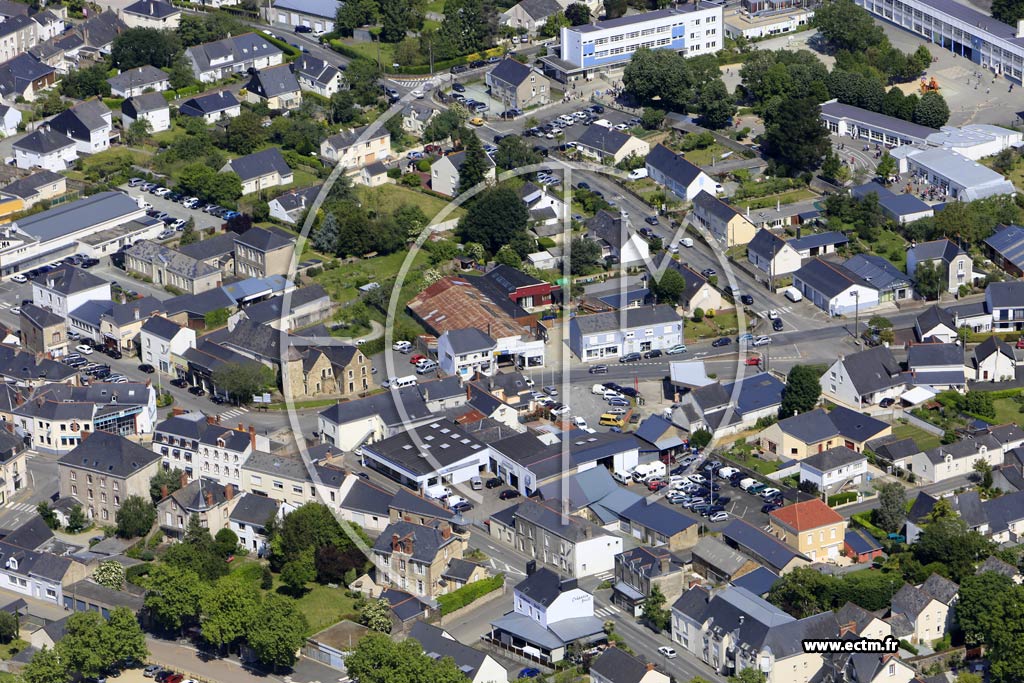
[[793, 294], [687, 242], [598, 389], [638, 173], [622, 477], [747, 483], [604, 123], [727, 472], [399, 382]]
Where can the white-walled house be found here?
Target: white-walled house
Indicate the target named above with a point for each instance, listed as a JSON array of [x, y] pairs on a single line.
[[45, 148], [150, 107], [994, 361], [348, 150], [67, 288], [89, 124], [834, 288], [773, 255], [834, 467], [9, 120], [957, 458], [864, 378], [161, 341], [466, 352]]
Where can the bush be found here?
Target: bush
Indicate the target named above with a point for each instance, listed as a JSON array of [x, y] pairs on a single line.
[[423, 166], [841, 498], [287, 49], [469, 593], [863, 519], [908, 647]]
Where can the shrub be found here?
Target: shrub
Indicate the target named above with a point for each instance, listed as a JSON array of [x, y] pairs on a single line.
[[423, 166], [908, 647], [841, 498], [469, 593], [863, 519]]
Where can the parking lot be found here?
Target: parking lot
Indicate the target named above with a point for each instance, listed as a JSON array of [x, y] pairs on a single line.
[[203, 221]]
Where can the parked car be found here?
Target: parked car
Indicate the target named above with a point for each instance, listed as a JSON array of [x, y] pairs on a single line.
[[777, 325], [147, 368], [629, 358], [81, 348], [508, 494], [763, 340], [678, 348], [887, 402], [528, 672], [722, 516], [708, 272], [653, 353], [746, 300], [721, 341], [598, 370], [197, 391], [19, 278], [550, 390], [669, 652]]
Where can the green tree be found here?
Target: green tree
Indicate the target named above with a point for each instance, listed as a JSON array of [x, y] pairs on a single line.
[[445, 125], [278, 631], [513, 152], [228, 608], [802, 592], [892, 103], [795, 140], [310, 526], [135, 517], [204, 28], [242, 380], [138, 131], [378, 659], [577, 13], [245, 133], [343, 107], [50, 103], [1008, 11], [748, 676], [208, 185], [802, 391], [44, 510], [226, 542], [188, 233], [985, 600], [928, 280], [325, 237], [469, 26], [82, 84], [8, 627], [507, 256], [654, 611], [361, 76], [298, 572], [77, 520], [266, 578], [475, 164], [931, 110], [46, 666], [886, 167], [124, 637], [890, 513], [700, 438], [169, 478], [376, 615], [110, 573], [180, 74], [174, 596], [948, 540], [356, 13], [145, 46], [584, 255], [553, 25], [83, 648], [669, 287], [494, 217], [714, 105], [834, 169], [394, 20], [845, 26], [984, 471]]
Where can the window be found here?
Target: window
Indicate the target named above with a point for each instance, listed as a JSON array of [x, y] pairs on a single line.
[[257, 480], [297, 489], [278, 485], [104, 513], [73, 475]]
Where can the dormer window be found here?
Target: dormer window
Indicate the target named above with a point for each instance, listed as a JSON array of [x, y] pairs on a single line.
[[12, 564]]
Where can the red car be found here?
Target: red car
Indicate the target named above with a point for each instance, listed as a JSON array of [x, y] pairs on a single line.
[[753, 360], [1020, 343], [417, 358], [656, 485]]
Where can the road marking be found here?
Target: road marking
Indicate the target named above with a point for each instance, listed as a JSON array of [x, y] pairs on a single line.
[[234, 412], [605, 576], [22, 507]]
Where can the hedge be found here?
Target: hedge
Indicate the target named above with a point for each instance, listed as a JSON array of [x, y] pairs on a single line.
[[905, 645], [863, 519], [469, 593], [372, 347], [422, 69], [841, 498], [284, 47]]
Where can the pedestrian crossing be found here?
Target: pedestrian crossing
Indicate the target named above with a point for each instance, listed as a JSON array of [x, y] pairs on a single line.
[[605, 576], [233, 413], [608, 612], [6, 304], [22, 507]]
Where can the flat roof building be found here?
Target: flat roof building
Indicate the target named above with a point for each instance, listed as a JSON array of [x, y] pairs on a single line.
[[953, 174]]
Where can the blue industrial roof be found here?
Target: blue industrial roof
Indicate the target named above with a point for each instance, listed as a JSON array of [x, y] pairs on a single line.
[[97, 209], [767, 548], [758, 582], [327, 9], [1008, 242], [861, 541], [757, 392]]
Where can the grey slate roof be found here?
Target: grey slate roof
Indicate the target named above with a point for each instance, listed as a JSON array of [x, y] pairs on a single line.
[[77, 215], [935, 354], [910, 601], [964, 448], [41, 317], [18, 73], [298, 199], [933, 317], [144, 76], [572, 529], [273, 82], [634, 317], [833, 458], [263, 239], [994, 564], [44, 140], [109, 454], [237, 50], [991, 346], [604, 140], [152, 9], [427, 541], [68, 279], [877, 271], [382, 405], [810, 427], [29, 186], [194, 496], [544, 586], [855, 425], [348, 137], [100, 30], [828, 278], [81, 120], [942, 249], [209, 104], [468, 340], [659, 518], [314, 69], [1008, 242], [765, 243], [259, 164], [31, 535], [872, 369], [366, 498], [1005, 294], [144, 104], [172, 260], [437, 644], [818, 239], [940, 588], [617, 666], [890, 123], [767, 549], [161, 327], [716, 554], [513, 72], [672, 165]]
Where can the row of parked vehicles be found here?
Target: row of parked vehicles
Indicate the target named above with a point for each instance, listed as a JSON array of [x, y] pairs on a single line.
[[557, 126], [97, 372]]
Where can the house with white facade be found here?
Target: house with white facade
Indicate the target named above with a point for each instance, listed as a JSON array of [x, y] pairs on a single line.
[[1005, 301], [683, 178], [834, 469], [946, 255], [249, 518], [864, 378], [68, 287], [935, 324], [162, 343], [835, 289], [619, 244], [349, 424], [45, 148], [89, 124], [151, 14], [466, 352], [929, 608], [151, 107], [938, 366], [200, 446], [601, 336], [350, 150], [9, 120], [549, 613], [956, 459], [317, 76], [133, 82], [213, 107], [444, 173], [261, 170], [994, 360], [771, 254], [478, 667], [234, 54]]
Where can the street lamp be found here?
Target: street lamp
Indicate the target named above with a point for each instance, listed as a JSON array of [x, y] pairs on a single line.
[[856, 316]]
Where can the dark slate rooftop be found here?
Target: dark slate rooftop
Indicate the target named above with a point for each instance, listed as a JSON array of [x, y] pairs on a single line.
[[109, 454]]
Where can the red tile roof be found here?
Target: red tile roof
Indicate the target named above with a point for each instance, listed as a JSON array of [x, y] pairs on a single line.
[[455, 303], [810, 514]]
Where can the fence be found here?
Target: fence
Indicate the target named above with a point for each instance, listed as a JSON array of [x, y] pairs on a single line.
[[923, 662], [923, 424]]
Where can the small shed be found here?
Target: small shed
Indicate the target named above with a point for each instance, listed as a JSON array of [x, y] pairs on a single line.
[[332, 645]]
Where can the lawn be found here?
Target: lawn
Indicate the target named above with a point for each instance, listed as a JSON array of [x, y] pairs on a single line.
[[711, 327], [372, 50], [923, 439], [12, 648], [790, 197], [704, 157], [393, 196], [753, 462], [1007, 411], [342, 283], [891, 246]]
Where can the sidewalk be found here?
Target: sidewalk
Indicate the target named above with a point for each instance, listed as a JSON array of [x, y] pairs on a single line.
[[187, 660]]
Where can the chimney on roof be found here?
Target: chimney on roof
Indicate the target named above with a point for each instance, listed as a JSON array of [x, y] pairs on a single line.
[[446, 531], [850, 627], [138, 313], [163, 491], [252, 437], [183, 480], [175, 412], [211, 420], [395, 545], [209, 499], [666, 562], [748, 210], [531, 567], [1020, 28], [9, 426], [229, 492], [650, 666]]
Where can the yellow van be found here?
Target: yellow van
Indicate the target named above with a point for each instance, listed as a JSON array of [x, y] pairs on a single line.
[[609, 420]]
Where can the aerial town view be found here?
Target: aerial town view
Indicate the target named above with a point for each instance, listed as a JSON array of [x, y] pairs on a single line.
[[479, 341]]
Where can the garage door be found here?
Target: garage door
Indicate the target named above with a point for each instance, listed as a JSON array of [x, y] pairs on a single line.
[[282, 18]]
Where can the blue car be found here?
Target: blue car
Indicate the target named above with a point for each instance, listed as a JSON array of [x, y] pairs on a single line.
[[529, 672]]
